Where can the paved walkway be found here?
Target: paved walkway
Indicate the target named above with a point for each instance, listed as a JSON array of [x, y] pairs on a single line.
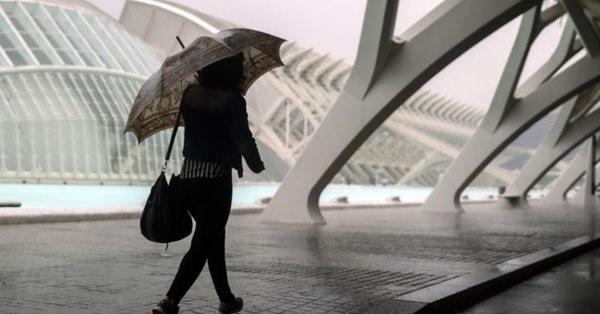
[[356, 263], [569, 288]]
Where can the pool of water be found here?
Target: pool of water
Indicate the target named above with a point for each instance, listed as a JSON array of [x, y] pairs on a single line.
[[47, 196]]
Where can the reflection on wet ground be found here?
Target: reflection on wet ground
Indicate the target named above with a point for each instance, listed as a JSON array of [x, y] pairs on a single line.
[[360, 259], [569, 288]]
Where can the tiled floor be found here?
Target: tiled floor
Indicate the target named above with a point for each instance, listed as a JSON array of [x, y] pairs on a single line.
[[359, 260]]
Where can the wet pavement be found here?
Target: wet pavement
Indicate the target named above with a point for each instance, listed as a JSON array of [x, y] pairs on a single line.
[[359, 262], [570, 288]]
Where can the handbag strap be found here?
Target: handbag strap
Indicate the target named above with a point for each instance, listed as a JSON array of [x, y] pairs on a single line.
[[172, 141], [174, 132]]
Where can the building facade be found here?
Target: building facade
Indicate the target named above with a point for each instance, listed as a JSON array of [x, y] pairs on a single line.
[[68, 74], [413, 147]]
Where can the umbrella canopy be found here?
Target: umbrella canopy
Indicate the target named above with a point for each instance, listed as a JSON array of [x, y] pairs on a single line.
[[156, 106]]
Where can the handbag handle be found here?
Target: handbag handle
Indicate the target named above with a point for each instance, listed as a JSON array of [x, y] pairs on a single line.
[[174, 132], [171, 142]]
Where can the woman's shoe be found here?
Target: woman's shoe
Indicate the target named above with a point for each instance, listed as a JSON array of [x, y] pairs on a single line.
[[231, 307], [166, 306]]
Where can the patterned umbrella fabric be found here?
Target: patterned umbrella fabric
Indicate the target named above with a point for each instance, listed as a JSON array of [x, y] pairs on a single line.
[[157, 103]]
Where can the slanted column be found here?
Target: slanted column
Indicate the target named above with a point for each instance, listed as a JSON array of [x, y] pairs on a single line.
[[573, 135], [585, 27], [297, 199], [539, 163], [586, 197], [485, 144], [387, 73], [570, 128], [567, 180]]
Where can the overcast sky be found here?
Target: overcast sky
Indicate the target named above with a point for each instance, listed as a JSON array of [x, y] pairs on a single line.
[[333, 26]]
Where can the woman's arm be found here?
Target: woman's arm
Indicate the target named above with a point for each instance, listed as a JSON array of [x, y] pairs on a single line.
[[241, 136]]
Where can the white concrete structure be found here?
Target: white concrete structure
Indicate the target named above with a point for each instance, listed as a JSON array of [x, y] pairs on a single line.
[[389, 72], [68, 74], [413, 147], [517, 107]]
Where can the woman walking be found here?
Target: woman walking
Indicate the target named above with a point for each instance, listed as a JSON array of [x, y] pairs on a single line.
[[215, 139]]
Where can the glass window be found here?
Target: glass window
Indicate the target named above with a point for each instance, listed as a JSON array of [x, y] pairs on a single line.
[[86, 96], [48, 81], [3, 61], [30, 34], [12, 46], [142, 53], [31, 96], [107, 94], [126, 94], [92, 40], [96, 94], [111, 43], [67, 88], [20, 95], [141, 67], [53, 34], [133, 87], [8, 111], [74, 37]]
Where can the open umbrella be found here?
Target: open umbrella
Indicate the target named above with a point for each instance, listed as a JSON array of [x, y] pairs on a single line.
[[156, 106]]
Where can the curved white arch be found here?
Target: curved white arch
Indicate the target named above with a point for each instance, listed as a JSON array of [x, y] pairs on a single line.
[[177, 11]]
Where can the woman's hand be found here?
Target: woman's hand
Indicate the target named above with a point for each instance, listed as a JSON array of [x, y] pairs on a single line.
[[258, 168]]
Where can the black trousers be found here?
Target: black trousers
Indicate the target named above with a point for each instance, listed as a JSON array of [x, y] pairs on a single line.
[[209, 202]]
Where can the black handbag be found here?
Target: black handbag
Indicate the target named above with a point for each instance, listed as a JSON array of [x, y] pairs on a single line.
[[164, 218]]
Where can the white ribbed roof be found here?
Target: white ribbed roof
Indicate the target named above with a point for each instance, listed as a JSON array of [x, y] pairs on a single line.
[[68, 33]]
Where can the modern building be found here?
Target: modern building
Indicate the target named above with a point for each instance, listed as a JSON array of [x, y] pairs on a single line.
[[413, 147], [68, 74], [562, 92]]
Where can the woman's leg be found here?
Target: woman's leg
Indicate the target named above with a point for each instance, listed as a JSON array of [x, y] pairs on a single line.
[[216, 255], [190, 267], [218, 270], [194, 259]]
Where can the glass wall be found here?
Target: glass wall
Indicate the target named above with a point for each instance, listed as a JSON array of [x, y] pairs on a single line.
[[67, 80]]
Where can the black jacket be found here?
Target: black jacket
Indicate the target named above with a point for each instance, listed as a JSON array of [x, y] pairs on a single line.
[[216, 128]]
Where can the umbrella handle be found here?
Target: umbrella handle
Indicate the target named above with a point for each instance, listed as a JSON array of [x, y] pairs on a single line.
[[180, 42]]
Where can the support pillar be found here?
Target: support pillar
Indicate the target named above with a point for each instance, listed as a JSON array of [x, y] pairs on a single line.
[[386, 74]]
